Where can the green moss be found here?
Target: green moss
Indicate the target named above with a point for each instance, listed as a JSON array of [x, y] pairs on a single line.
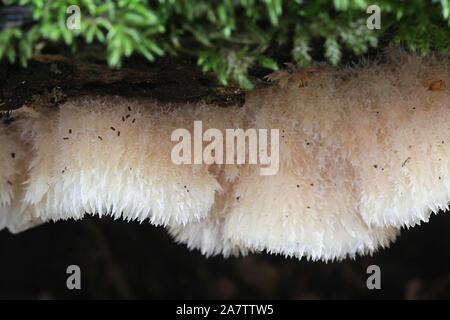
[[228, 36]]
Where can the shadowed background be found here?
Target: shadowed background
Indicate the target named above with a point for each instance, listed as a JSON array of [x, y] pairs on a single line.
[[131, 260]]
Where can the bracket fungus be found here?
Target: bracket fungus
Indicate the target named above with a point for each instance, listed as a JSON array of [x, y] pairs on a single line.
[[363, 152]]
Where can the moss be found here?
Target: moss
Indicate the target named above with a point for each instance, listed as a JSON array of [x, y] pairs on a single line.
[[227, 37]]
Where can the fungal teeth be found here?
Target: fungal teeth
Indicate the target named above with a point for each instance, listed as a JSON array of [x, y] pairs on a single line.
[[363, 152]]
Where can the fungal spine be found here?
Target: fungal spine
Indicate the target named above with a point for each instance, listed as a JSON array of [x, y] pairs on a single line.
[[363, 152]]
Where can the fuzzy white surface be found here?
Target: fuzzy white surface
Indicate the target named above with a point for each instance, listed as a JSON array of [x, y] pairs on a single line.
[[364, 151]]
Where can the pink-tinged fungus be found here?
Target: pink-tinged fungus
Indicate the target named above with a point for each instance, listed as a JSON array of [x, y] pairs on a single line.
[[363, 152]]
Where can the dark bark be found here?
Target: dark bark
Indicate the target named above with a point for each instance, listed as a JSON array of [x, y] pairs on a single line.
[[175, 79]]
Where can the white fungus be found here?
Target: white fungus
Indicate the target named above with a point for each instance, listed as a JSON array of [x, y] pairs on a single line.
[[364, 151]]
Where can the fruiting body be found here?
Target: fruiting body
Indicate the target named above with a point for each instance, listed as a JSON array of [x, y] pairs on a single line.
[[363, 152]]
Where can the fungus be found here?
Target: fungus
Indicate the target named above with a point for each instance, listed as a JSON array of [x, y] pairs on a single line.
[[356, 163], [352, 209], [8, 165]]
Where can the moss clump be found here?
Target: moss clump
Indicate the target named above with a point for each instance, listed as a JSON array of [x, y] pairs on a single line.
[[226, 36]]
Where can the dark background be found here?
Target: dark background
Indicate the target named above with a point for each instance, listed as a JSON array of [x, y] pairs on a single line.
[[131, 260]]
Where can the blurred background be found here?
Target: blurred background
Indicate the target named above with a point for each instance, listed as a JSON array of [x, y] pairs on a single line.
[[121, 260]]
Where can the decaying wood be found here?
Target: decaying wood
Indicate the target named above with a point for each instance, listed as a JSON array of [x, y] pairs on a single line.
[[56, 77]]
